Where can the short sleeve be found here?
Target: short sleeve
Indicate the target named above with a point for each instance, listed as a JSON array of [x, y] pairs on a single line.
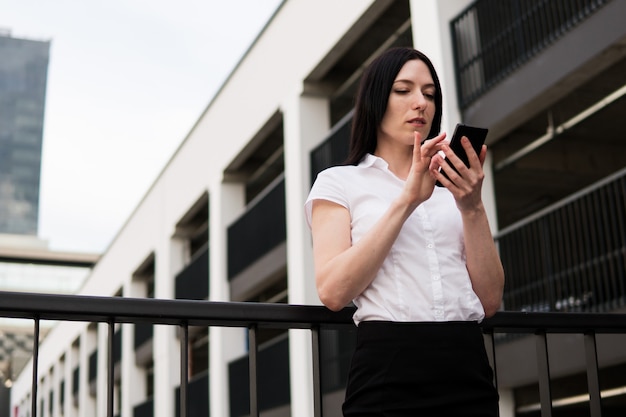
[[327, 186]]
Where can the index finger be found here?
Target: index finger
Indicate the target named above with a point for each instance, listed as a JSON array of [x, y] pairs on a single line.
[[434, 141]]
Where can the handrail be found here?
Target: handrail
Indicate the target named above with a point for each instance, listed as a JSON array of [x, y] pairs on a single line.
[[246, 314], [253, 316], [167, 311], [523, 322]]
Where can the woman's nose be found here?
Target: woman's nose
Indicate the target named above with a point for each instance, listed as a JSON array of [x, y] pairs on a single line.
[[419, 101]]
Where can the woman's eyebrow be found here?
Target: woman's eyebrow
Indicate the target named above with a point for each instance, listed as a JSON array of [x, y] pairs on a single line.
[[431, 85]]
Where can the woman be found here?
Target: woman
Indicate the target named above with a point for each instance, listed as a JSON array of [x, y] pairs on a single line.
[[418, 261]]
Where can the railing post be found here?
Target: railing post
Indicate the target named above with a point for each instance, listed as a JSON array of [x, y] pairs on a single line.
[[252, 370], [545, 395], [492, 345], [110, 368], [184, 372], [317, 378], [33, 403], [593, 381]]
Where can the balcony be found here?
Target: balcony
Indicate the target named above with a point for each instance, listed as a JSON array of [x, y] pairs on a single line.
[[145, 409], [273, 373], [544, 77], [197, 397], [259, 231], [571, 256], [183, 313], [334, 149], [192, 283], [492, 38]]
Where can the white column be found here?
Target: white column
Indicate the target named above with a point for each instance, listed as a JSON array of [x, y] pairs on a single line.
[[489, 193], [74, 356], [101, 377], [133, 377], [169, 258], [68, 367], [86, 404], [44, 388], [55, 380], [431, 35], [226, 201], [306, 123], [507, 402]]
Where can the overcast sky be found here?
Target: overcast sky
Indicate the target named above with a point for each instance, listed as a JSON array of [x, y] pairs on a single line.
[[127, 79]]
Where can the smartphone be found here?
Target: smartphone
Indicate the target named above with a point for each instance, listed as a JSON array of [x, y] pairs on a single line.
[[476, 135]]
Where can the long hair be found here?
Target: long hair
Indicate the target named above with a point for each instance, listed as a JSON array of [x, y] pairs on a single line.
[[373, 95]]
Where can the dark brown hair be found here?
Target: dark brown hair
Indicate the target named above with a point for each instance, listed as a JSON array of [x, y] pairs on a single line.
[[373, 95]]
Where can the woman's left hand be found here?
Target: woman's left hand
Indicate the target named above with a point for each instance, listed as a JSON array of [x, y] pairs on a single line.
[[466, 184]]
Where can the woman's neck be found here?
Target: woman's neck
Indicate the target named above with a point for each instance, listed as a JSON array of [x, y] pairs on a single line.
[[398, 159]]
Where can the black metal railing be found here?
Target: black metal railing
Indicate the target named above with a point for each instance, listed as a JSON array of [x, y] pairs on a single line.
[[334, 149], [117, 346], [197, 398], [253, 316], [93, 365], [62, 393], [143, 333], [260, 229], [273, 370], [192, 283], [491, 38], [145, 409], [75, 381], [571, 256]]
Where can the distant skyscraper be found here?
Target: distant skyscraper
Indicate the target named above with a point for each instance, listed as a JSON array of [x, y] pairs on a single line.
[[23, 76]]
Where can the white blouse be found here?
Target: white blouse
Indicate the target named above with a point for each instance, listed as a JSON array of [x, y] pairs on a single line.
[[424, 277]]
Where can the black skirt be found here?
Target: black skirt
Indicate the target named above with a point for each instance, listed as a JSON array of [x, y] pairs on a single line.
[[420, 369]]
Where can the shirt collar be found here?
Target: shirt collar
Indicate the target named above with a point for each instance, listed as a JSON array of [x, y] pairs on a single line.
[[370, 160]]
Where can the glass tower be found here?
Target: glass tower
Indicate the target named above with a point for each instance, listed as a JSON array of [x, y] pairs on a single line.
[[23, 76]]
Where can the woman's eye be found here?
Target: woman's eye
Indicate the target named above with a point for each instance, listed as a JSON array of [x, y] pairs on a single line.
[[402, 91]]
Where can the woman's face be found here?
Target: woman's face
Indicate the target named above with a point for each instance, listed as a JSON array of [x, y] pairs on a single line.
[[411, 105]]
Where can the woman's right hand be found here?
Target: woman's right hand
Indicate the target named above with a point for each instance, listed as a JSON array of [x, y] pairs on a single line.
[[420, 183]]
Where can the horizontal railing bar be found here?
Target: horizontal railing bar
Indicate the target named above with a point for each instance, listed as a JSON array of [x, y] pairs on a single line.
[[166, 311], [523, 322], [245, 314]]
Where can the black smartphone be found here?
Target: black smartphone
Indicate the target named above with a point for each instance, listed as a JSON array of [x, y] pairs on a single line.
[[476, 135]]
